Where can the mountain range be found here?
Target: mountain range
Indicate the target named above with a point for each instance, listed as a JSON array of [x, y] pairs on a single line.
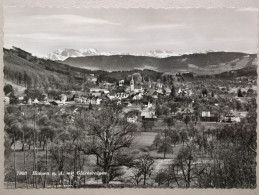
[[200, 63], [62, 54]]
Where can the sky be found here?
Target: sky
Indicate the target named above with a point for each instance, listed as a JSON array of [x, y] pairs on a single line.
[[43, 30]]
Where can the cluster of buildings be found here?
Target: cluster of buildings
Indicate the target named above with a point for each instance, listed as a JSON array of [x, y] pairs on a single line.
[[132, 95]]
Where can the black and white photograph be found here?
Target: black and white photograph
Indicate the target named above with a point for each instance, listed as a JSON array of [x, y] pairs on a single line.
[[130, 98]]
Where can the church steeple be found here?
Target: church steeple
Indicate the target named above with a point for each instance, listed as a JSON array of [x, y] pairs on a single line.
[[132, 84]]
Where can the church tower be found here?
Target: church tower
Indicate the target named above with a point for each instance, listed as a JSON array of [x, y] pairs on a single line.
[[132, 84]]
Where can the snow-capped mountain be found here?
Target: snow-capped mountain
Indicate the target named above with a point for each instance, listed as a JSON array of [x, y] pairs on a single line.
[[161, 54], [63, 54]]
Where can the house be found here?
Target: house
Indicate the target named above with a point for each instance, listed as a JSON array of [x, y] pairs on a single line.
[[209, 116], [138, 89], [29, 101], [184, 92], [93, 100], [148, 114], [159, 85], [155, 95], [78, 100], [138, 96], [97, 94], [167, 91], [119, 96], [70, 97], [95, 90], [160, 91], [149, 105], [6, 100], [63, 98], [205, 114], [84, 99], [187, 111], [98, 101], [21, 98], [242, 114], [121, 82], [129, 104], [35, 101], [94, 79], [46, 102], [107, 84], [232, 116], [111, 95]]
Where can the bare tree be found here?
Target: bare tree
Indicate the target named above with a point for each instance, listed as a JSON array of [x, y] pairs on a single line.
[[108, 135], [183, 168], [143, 166]]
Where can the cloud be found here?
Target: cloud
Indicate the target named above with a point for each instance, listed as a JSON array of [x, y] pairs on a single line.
[[247, 9], [161, 26], [74, 19], [57, 37]]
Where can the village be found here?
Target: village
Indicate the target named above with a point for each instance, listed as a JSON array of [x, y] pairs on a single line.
[[153, 99]]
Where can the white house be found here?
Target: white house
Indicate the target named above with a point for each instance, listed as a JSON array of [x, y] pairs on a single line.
[[63, 98], [205, 114], [36, 101], [98, 101], [138, 96], [21, 98], [148, 114], [29, 101], [6, 100], [111, 96]]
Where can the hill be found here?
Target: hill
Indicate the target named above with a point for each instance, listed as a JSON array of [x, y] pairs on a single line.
[[200, 63], [23, 69]]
